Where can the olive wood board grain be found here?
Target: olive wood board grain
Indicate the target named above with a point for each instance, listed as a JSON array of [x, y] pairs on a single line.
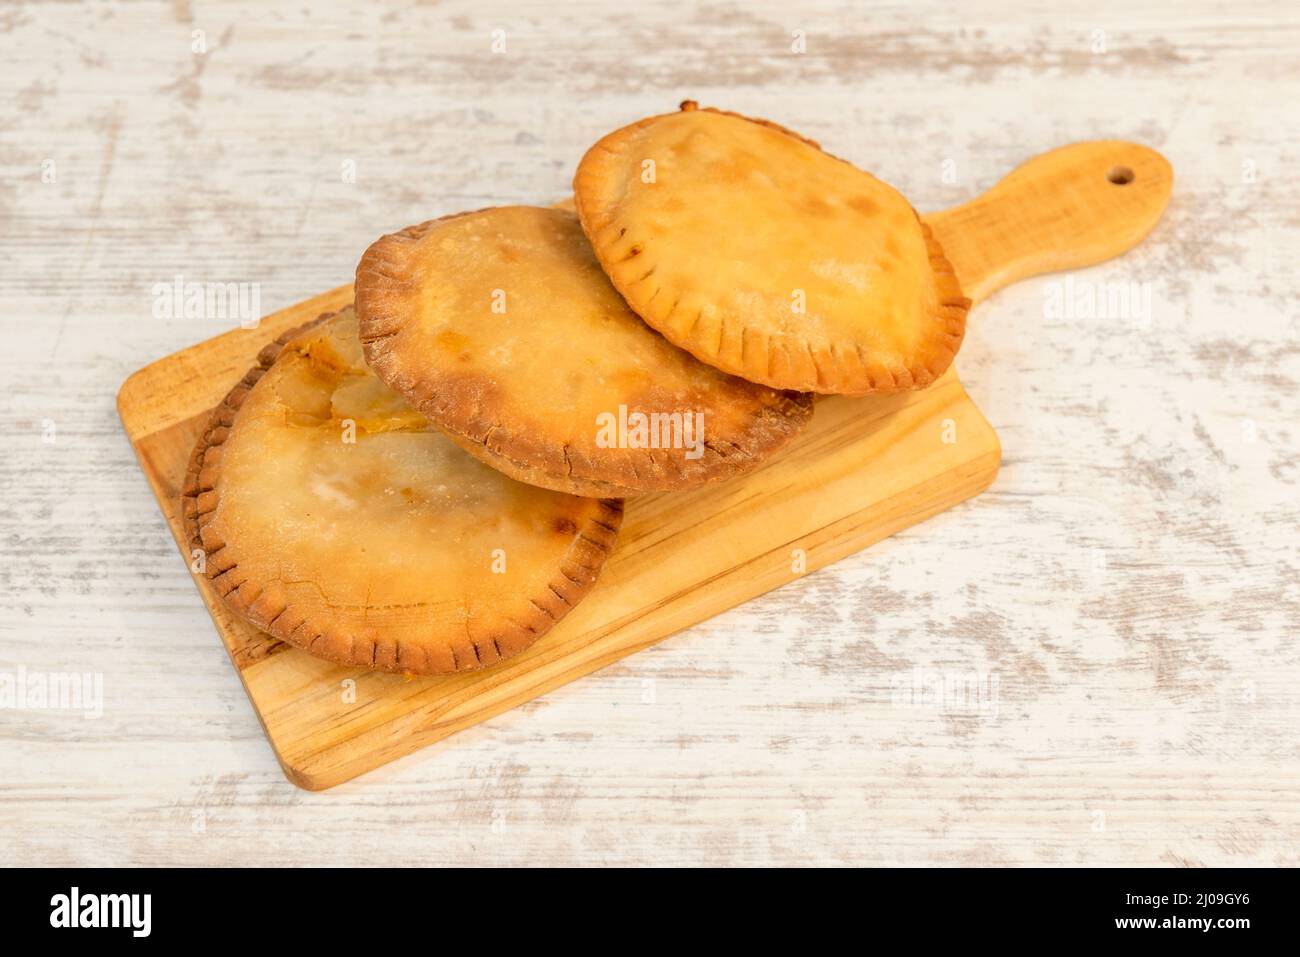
[[865, 469]]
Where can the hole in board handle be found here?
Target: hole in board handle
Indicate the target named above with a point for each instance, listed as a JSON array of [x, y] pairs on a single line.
[[1120, 175]]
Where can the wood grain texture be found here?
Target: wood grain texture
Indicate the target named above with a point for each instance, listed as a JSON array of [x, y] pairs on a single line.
[[1130, 580], [863, 470], [1071, 207]]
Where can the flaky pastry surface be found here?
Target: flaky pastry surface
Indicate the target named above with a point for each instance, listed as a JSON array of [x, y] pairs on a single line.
[[762, 255], [337, 518], [501, 327]]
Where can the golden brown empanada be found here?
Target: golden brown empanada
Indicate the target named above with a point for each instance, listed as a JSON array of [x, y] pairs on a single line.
[[500, 326], [336, 518], [745, 244]]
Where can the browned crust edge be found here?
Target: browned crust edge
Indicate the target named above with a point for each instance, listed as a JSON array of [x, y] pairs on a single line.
[[383, 274], [267, 608], [727, 461], [841, 369]]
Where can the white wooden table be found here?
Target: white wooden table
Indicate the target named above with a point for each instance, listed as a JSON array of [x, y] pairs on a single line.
[[1121, 609]]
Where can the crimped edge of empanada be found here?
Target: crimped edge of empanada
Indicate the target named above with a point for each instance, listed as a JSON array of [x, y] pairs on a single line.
[[780, 362], [265, 605], [383, 281]]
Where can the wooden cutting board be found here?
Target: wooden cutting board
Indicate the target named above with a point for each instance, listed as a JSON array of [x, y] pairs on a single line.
[[864, 469]]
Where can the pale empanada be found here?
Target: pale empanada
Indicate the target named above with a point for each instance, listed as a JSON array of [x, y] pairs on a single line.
[[336, 518], [500, 326], [747, 245]]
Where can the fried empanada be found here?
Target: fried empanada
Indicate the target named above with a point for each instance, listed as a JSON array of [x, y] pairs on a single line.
[[748, 246], [500, 326], [333, 516]]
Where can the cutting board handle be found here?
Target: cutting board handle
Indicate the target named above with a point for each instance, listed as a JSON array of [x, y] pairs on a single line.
[[1066, 209]]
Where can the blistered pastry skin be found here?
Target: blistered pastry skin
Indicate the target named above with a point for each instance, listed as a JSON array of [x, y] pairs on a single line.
[[501, 327], [336, 518], [762, 255]]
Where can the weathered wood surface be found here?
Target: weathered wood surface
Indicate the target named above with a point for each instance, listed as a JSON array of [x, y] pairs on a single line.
[[1125, 598], [864, 469]]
